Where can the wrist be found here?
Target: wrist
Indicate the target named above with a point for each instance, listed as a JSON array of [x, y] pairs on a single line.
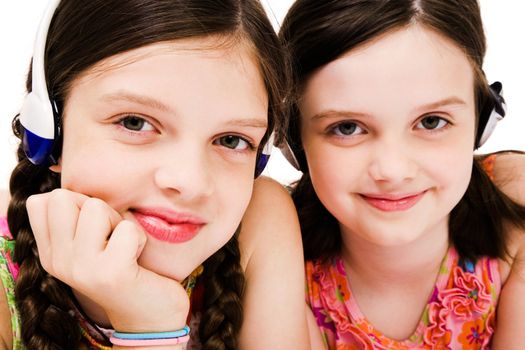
[[144, 323], [172, 339], [168, 347]]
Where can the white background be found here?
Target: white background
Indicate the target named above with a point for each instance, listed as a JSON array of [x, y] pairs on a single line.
[[505, 61]]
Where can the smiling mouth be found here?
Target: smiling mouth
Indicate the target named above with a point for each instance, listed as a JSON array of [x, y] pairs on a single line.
[[393, 203], [179, 231]]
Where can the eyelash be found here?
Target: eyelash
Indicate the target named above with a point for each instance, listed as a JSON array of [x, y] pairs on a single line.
[[120, 122], [437, 129], [250, 146], [333, 129]]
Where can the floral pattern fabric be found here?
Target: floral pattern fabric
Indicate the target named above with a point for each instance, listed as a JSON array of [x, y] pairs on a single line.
[[460, 313], [8, 274]]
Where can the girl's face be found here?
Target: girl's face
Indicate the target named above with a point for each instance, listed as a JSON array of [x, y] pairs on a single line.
[[388, 131], [167, 135]]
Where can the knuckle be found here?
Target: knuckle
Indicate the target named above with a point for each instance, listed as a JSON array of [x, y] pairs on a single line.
[[59, 196], [94, 205]]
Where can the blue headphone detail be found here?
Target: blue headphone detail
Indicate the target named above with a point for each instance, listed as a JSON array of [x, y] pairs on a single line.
[[493, 110], [264, 157], [40, 115]]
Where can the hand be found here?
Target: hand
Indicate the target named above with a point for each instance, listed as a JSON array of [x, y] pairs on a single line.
[[86, 244]]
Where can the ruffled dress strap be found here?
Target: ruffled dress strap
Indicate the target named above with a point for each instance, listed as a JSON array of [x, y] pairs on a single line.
[[488, 165]]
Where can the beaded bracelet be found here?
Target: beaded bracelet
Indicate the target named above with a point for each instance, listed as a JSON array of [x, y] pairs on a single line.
[[151, 339]]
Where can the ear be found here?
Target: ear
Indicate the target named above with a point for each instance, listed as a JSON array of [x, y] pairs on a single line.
[[56, 168]]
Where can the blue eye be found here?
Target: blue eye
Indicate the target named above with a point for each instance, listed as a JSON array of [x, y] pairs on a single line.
[[234, 142], [346, 128], [135, 123], [432, 123]]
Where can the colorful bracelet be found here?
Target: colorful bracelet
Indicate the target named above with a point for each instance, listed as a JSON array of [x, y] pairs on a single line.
[[151, 339], [160, 335], [149, 342]]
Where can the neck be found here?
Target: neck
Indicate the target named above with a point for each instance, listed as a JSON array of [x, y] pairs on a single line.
[[385, 267]]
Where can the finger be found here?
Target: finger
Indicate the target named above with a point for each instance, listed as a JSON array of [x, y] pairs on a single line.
[[95, 224], [36, 206], [126, 243], [63, 212]]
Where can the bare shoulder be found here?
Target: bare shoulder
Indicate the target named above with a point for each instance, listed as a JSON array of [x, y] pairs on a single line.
[[270, 215], [5, 321], [509, 175], [515, 264], [266, 188], [511, 305], [4, 201], [271, 255]]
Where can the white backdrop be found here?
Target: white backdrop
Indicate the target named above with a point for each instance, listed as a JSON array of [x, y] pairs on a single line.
[[505, 61]]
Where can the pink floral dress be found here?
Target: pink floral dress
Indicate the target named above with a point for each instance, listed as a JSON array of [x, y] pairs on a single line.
[[8, 274], [459, 314]]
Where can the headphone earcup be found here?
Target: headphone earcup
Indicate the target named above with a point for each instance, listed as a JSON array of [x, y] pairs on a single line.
[[292, 148], [492, 111], [39, 121], [264, 156]]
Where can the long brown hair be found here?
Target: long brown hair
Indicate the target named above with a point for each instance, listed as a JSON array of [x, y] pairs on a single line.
[[81, 34], [318, 32]]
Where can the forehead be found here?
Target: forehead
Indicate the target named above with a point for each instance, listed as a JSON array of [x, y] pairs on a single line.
[[413, 61], [180, 74], [227, 48]]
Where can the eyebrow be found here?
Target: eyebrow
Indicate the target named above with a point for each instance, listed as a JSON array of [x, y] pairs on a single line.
[[153, 103], [337, 114], [249, 122], [449, 101], [139, 99]]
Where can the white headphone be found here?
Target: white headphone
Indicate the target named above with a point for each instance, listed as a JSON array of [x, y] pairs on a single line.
[[39, 115]]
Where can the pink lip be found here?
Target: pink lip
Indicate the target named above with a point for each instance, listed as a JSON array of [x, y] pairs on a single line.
[[393, 202], [168, 226]]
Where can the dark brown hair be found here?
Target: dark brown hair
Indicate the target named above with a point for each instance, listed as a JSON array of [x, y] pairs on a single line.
[[83, 33], [318, 32]]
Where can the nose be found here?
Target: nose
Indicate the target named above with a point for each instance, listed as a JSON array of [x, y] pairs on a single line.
[[392, 162], [184, 171]]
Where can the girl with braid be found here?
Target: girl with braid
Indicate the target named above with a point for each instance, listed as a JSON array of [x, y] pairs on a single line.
[[125, 234], [408, 243]]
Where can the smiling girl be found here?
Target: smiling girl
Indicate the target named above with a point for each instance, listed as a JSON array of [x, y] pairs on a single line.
[[130, 219], [408, 242]]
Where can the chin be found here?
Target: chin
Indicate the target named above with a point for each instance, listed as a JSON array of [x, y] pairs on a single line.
[[175, 269]]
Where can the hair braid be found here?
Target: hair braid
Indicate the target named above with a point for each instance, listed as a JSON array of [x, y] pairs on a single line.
[[223, 281], [42, 300]]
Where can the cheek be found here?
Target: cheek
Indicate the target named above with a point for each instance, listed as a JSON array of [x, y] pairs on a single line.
[[235, 192], [332, 171], [452, 167], [98, 171]]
